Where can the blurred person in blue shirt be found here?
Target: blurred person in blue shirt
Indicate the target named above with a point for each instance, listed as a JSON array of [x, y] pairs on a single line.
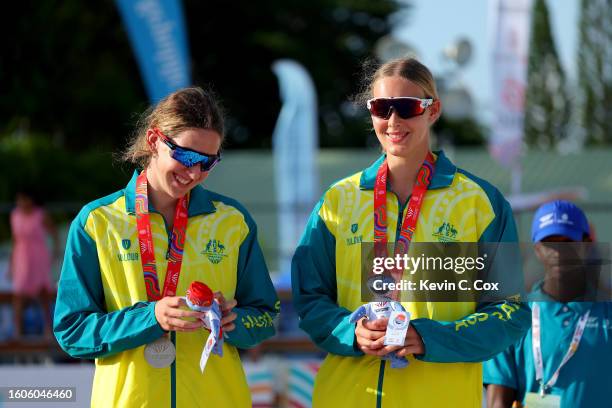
[[565, 359]]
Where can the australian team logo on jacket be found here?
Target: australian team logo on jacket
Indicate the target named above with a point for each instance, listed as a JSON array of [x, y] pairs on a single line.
[[446, 233], [214, 251]]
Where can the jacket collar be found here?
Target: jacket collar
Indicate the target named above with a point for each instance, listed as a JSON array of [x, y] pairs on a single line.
[[199, 202], [443, 174], [578, 306]]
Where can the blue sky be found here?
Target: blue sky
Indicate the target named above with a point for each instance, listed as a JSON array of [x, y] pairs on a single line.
[[434, 24]]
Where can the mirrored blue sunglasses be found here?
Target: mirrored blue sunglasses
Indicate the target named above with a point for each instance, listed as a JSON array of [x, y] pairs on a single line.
[[188, 157]]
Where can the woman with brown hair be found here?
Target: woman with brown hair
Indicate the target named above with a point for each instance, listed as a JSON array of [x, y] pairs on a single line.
[[131, 255]]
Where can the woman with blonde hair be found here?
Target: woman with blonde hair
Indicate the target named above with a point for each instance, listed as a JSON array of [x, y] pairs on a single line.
[[410, 194]]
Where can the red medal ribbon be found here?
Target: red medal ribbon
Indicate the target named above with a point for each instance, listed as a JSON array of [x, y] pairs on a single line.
[[145, 241], [423, 180]]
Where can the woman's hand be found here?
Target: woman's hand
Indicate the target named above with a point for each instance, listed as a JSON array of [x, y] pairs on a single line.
[[170, 315], [413, 343], [370, 335], [226, 307]]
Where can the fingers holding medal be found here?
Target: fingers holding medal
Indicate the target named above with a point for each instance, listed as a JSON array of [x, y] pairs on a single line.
[[226, 306], [173, 314]]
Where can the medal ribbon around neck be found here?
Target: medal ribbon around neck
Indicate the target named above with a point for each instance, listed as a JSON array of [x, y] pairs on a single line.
[[145, 242], [409, 223]]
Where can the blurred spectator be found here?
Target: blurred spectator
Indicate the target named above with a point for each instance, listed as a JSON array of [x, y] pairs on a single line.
[[565, 358], [31, 259]]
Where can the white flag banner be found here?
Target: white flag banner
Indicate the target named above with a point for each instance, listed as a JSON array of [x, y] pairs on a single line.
[[295, 142], [509, 33]]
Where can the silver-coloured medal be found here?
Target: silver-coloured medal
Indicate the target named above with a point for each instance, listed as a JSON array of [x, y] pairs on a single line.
[[161, 353]]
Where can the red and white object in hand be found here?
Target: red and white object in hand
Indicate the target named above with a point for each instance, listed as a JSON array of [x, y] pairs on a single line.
[[201, 298]]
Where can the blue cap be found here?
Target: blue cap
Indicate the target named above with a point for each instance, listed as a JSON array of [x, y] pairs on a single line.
[[559, 218]]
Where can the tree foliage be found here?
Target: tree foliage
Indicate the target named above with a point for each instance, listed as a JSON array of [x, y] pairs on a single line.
[[70, 72], [330, 38], [595, 71], [546, 104]]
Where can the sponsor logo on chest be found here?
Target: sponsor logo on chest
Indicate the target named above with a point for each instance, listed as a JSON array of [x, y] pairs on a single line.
[[122, 256], [354, 239]]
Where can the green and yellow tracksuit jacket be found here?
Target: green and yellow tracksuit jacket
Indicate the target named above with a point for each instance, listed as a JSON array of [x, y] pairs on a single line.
[[457, 335], [102, 310]]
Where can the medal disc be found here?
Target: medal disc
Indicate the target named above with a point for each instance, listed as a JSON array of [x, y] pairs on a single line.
[[160, 353]]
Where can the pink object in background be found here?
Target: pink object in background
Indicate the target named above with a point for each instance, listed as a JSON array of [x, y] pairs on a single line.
[[31, 257]]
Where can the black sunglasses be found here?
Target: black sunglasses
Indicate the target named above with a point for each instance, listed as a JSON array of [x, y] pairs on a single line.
[[405, 106]]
